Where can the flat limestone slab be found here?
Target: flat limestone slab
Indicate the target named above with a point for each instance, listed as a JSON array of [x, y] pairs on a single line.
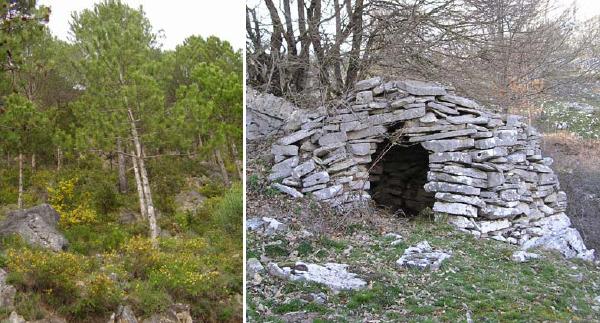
[[333, 275]]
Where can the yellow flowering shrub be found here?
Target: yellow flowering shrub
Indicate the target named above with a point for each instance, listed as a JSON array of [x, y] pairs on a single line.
[[73, 208], [139, 256], [56, 274]]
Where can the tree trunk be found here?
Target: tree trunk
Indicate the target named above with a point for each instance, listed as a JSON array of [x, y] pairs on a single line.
[[144, 180], [20, 198], [32, 162], [222, 167], [138, 183], [238, 165], [357, 35], [122, 168], [58, 158]]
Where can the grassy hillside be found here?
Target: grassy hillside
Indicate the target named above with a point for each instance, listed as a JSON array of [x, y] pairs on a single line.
[[479, 281], [110, 260]]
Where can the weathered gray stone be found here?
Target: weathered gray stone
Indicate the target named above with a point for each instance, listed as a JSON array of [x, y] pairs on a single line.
[[455, 209], [288, 190], [328, 192], [368, 132], [460, 101], [253, 267], [483, 155], [465, 180], [523, 256], [442, 135], [7, 292], [124, 314], [290, 150], [494, 212], [457, 157], [342, 165], [491, 226], [334, 276], [468, 119], [364, 97], [461, 222], [303, 169], [367, 84], [36, 226], [422, 256], [442, 108], [432, 128], [438, 146], [284, 168], [360, 149], [403, 102], [421, 88], [471, 172], [486, 143], [315, 179], [428, 118], [456, 198], [333, 138], [451, 188], [295, 137]]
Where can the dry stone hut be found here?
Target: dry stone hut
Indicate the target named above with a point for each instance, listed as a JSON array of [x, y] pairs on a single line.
[[409, 144]]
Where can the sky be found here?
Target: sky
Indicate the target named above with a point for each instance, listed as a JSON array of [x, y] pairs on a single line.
[[178, 19], [585, 8]]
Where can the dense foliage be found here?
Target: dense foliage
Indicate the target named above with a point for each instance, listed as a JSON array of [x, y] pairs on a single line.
[[113, 132]]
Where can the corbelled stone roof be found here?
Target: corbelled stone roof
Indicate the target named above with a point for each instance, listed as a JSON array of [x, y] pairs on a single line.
[[486, 170]]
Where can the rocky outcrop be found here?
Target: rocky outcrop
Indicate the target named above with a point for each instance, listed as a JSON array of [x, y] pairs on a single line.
[[176, 313], [37, 226], [485, 170], [124, 314], [7, 292], [266, 115]]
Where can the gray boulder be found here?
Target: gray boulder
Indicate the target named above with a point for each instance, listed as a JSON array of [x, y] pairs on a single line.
[[422, 256], [15, 318], [7, 292], [36, 226], [124, 314], [176, 313]]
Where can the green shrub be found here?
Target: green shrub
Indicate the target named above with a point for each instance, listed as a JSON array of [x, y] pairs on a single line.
[[212, 189], [229, 212], [29, 305], [89, 239], [148, 299], [106, 198], [56, 274], [98, 294]]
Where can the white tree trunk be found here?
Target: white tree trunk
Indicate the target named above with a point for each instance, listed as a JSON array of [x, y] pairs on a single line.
[[144, 179], [32, 162], [20, 199], [138, 183]]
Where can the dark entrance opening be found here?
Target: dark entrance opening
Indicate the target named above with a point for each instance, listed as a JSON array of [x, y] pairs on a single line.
[[398, 176]]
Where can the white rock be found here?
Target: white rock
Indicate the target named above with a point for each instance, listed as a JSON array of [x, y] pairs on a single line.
[[422, 256], [524, 256], [253, 266], [335, 276], [288, 190]]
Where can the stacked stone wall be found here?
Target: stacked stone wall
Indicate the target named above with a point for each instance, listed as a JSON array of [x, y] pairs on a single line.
[[485, 170]]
